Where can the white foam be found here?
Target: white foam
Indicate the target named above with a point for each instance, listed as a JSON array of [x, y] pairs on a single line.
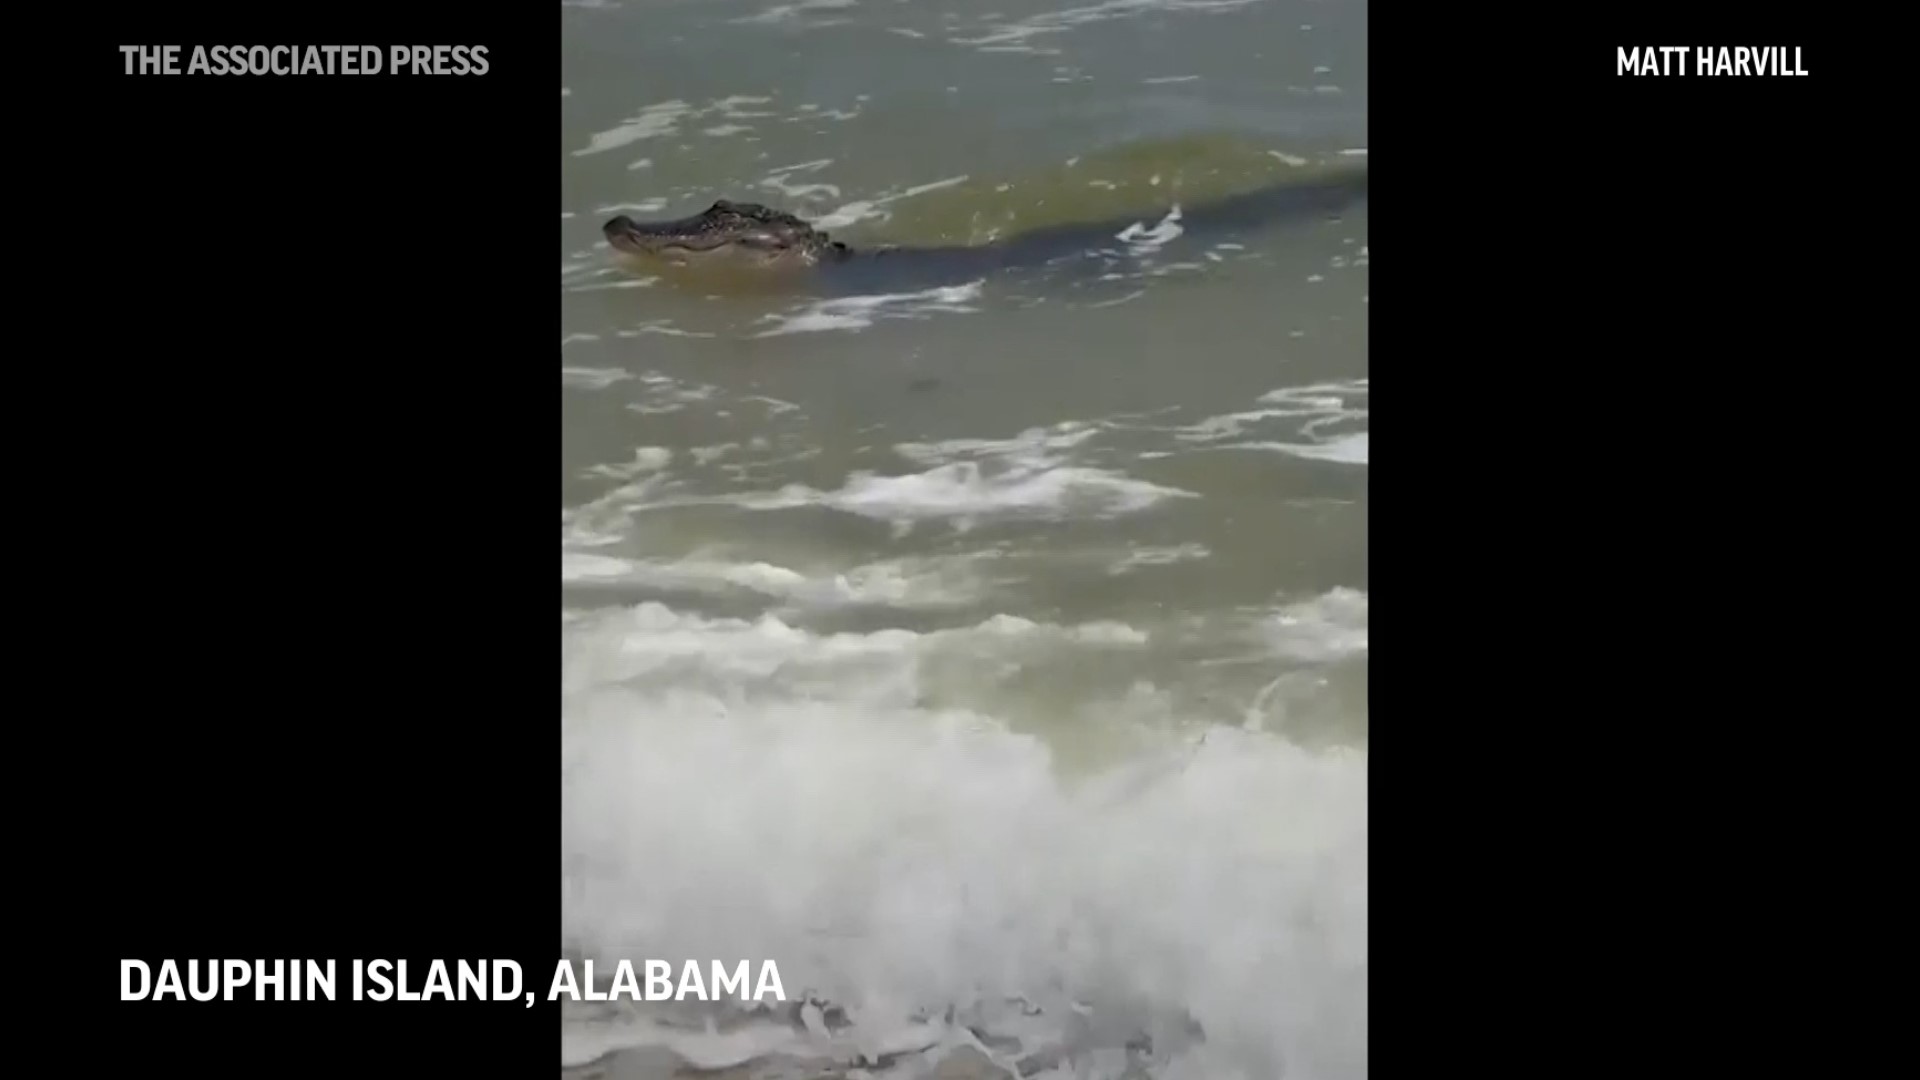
[[653, 121], [664, 328], [796, 12], [624, 283], [1157, 556], [664, 393], [646, 459], [1030, 474], [1142, 239], [903, 584], [1015, 36], [963, 482], [731, 106], [964, 491], [860, 312], [656, 641], [644, 206], [875, 209], [1316, 421], [1034, 446], [751, 788], [669, 118], [1348, 450], [1332, 626], [590, 378]]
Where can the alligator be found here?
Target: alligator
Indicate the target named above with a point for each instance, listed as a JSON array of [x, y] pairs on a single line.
[[771, 245]]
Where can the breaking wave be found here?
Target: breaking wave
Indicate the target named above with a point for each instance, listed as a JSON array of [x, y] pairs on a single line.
[[940, 880]]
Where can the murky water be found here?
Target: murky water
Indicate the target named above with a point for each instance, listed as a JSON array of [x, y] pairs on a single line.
[[992, 657]]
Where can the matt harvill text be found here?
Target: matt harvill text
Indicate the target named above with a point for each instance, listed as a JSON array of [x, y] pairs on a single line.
[[1709, 60]]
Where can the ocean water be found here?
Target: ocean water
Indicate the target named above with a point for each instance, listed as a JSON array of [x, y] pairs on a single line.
[[991, 657]]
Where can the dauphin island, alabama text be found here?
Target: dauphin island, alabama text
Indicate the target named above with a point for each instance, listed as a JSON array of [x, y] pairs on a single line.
[[463, 980]]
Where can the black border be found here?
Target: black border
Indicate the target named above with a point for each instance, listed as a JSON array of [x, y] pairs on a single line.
[[263, 749], [317, 443], [1599, 305]]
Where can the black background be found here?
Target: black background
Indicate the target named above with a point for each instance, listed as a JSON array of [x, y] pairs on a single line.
[[292, 443], [306, 410]]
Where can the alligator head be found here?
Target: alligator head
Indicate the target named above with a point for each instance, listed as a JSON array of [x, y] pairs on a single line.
[[725, 233]]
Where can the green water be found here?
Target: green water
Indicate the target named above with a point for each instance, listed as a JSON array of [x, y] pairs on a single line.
[[1095, 522]]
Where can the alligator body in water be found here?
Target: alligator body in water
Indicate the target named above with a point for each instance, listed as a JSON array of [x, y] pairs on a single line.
[[770, 246]]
